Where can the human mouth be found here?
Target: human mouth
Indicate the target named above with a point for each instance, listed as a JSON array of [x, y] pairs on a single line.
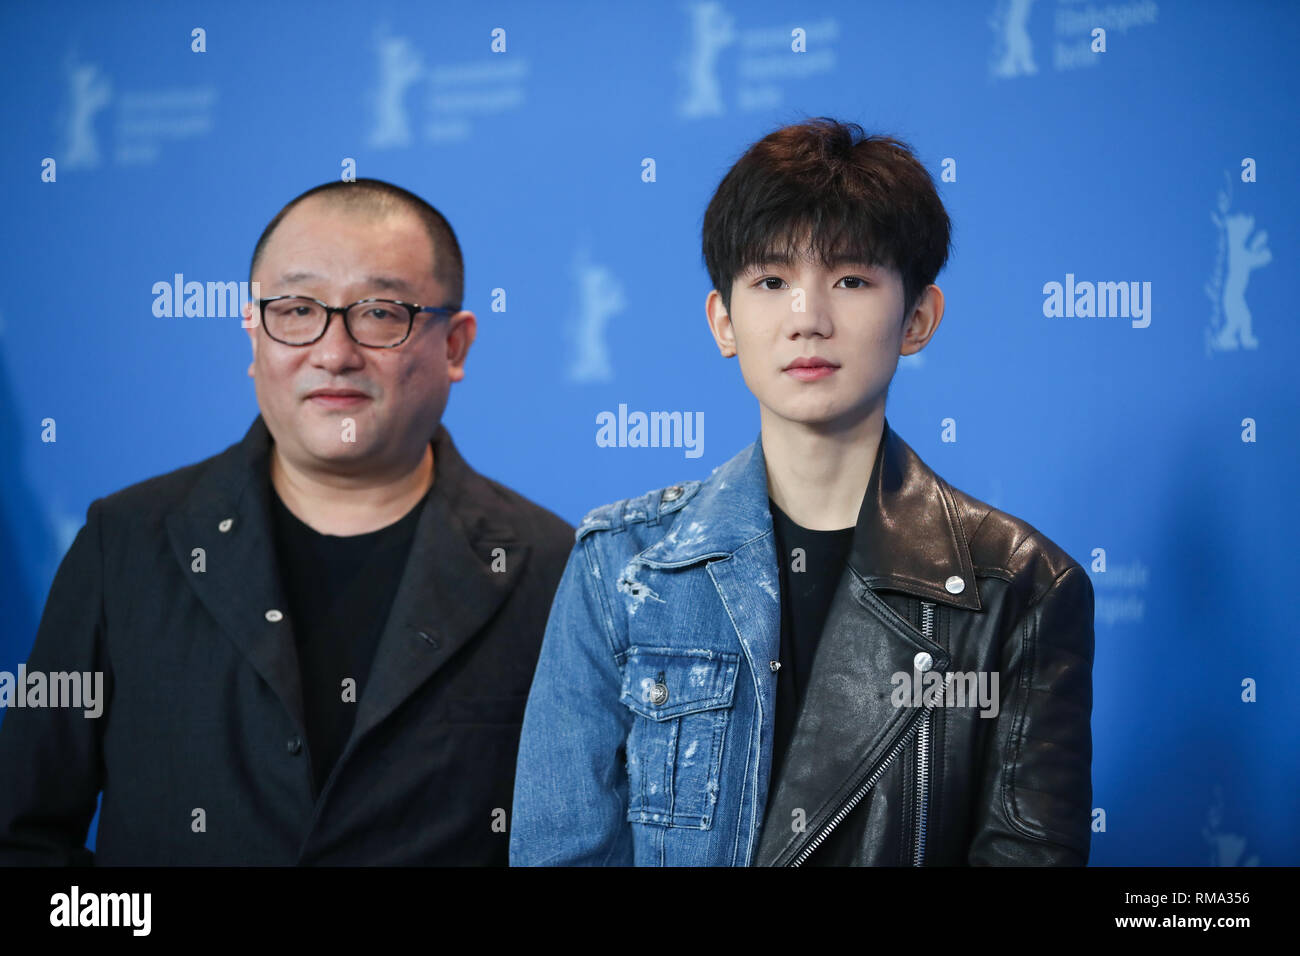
[[337, 397], [810, 369]]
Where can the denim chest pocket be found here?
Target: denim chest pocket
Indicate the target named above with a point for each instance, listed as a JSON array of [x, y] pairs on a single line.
[[682, 699]]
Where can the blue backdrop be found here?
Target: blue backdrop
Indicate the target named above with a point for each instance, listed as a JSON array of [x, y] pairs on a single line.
[[1151, 438]]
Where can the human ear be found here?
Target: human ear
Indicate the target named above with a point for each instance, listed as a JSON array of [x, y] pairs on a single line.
[[923, 322], [724, 334], [460, 336]]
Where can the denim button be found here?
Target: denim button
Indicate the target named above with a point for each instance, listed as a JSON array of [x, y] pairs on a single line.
[[673, 493], [774, 666], [658, 694]]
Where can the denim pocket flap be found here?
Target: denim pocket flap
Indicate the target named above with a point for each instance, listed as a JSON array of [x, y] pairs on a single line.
[[666, 682]]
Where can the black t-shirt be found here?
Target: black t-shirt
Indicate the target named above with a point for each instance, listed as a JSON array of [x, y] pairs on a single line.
[[340, 590], [808, 583]]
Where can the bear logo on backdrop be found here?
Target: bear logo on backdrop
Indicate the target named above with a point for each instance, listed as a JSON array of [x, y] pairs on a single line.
[[1241, 250]]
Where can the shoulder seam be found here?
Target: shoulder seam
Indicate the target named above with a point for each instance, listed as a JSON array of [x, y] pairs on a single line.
[[617, 515]]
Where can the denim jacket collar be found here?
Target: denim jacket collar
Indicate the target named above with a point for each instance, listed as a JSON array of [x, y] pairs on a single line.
[[908, 537]]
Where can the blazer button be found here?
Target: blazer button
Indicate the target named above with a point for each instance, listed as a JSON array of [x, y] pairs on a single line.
[[274, 615], [224, 525], [295, 746], [428, 639]]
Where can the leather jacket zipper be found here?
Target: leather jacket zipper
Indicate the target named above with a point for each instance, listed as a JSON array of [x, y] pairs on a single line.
[[923, 753], [920, 727]]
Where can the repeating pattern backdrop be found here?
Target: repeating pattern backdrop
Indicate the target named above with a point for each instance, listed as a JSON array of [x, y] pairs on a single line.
[[1115, 362]]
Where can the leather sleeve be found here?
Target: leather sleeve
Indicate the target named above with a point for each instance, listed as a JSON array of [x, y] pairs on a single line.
[[51, 757], [1034, 797]]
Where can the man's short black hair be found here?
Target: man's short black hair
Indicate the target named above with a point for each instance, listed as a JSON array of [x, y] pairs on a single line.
[[377, 196], [824, 188]]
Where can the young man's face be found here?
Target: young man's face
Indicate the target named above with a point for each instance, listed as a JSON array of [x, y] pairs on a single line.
[[818, 346], [388, 402]]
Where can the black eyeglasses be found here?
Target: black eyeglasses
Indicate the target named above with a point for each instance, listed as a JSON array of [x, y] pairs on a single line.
[[373, 323]]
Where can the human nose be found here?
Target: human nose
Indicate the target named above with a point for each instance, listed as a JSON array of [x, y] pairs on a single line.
[[336, 349], [810, 312]]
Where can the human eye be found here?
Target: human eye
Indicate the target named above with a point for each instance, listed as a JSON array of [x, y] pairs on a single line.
[[766, 281], [856, 282], [380, 312], [295, 308]]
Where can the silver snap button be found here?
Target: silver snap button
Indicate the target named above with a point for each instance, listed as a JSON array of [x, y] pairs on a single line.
[[224, 525], [273, 615], [955, 585], [658, 694], [922, 661], [774, 665], [673, 493]]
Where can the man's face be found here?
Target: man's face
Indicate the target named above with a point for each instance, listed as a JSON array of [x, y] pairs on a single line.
[[846, 321], [394, 397]]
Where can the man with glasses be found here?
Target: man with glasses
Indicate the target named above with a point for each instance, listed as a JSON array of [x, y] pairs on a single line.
[[316, 646]]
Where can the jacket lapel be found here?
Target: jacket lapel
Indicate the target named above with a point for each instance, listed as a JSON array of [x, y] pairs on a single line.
[[908, 538], [240, 582], [849, 723], [449, 589]]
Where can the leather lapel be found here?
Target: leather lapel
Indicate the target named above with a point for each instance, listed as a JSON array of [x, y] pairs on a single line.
[[908, 536], [850, 723]]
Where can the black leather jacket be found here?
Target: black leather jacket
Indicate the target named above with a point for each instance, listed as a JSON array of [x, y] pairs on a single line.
[[936, 572]]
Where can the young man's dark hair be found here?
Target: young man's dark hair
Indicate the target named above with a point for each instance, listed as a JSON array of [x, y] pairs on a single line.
[[828, 186], [378, 197]]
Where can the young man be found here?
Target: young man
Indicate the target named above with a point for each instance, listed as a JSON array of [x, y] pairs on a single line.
[[759, 668], [316, 645]]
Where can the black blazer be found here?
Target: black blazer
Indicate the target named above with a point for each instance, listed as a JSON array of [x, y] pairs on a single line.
[[203, 700]]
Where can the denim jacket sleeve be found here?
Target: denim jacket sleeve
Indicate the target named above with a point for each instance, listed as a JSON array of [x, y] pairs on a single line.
[[1035, 793], [570, 797]]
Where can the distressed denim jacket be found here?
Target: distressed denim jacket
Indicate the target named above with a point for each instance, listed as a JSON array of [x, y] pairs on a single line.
[[647, 736]]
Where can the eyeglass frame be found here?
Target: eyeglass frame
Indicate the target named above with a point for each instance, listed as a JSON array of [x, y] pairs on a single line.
[[412, 311]]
